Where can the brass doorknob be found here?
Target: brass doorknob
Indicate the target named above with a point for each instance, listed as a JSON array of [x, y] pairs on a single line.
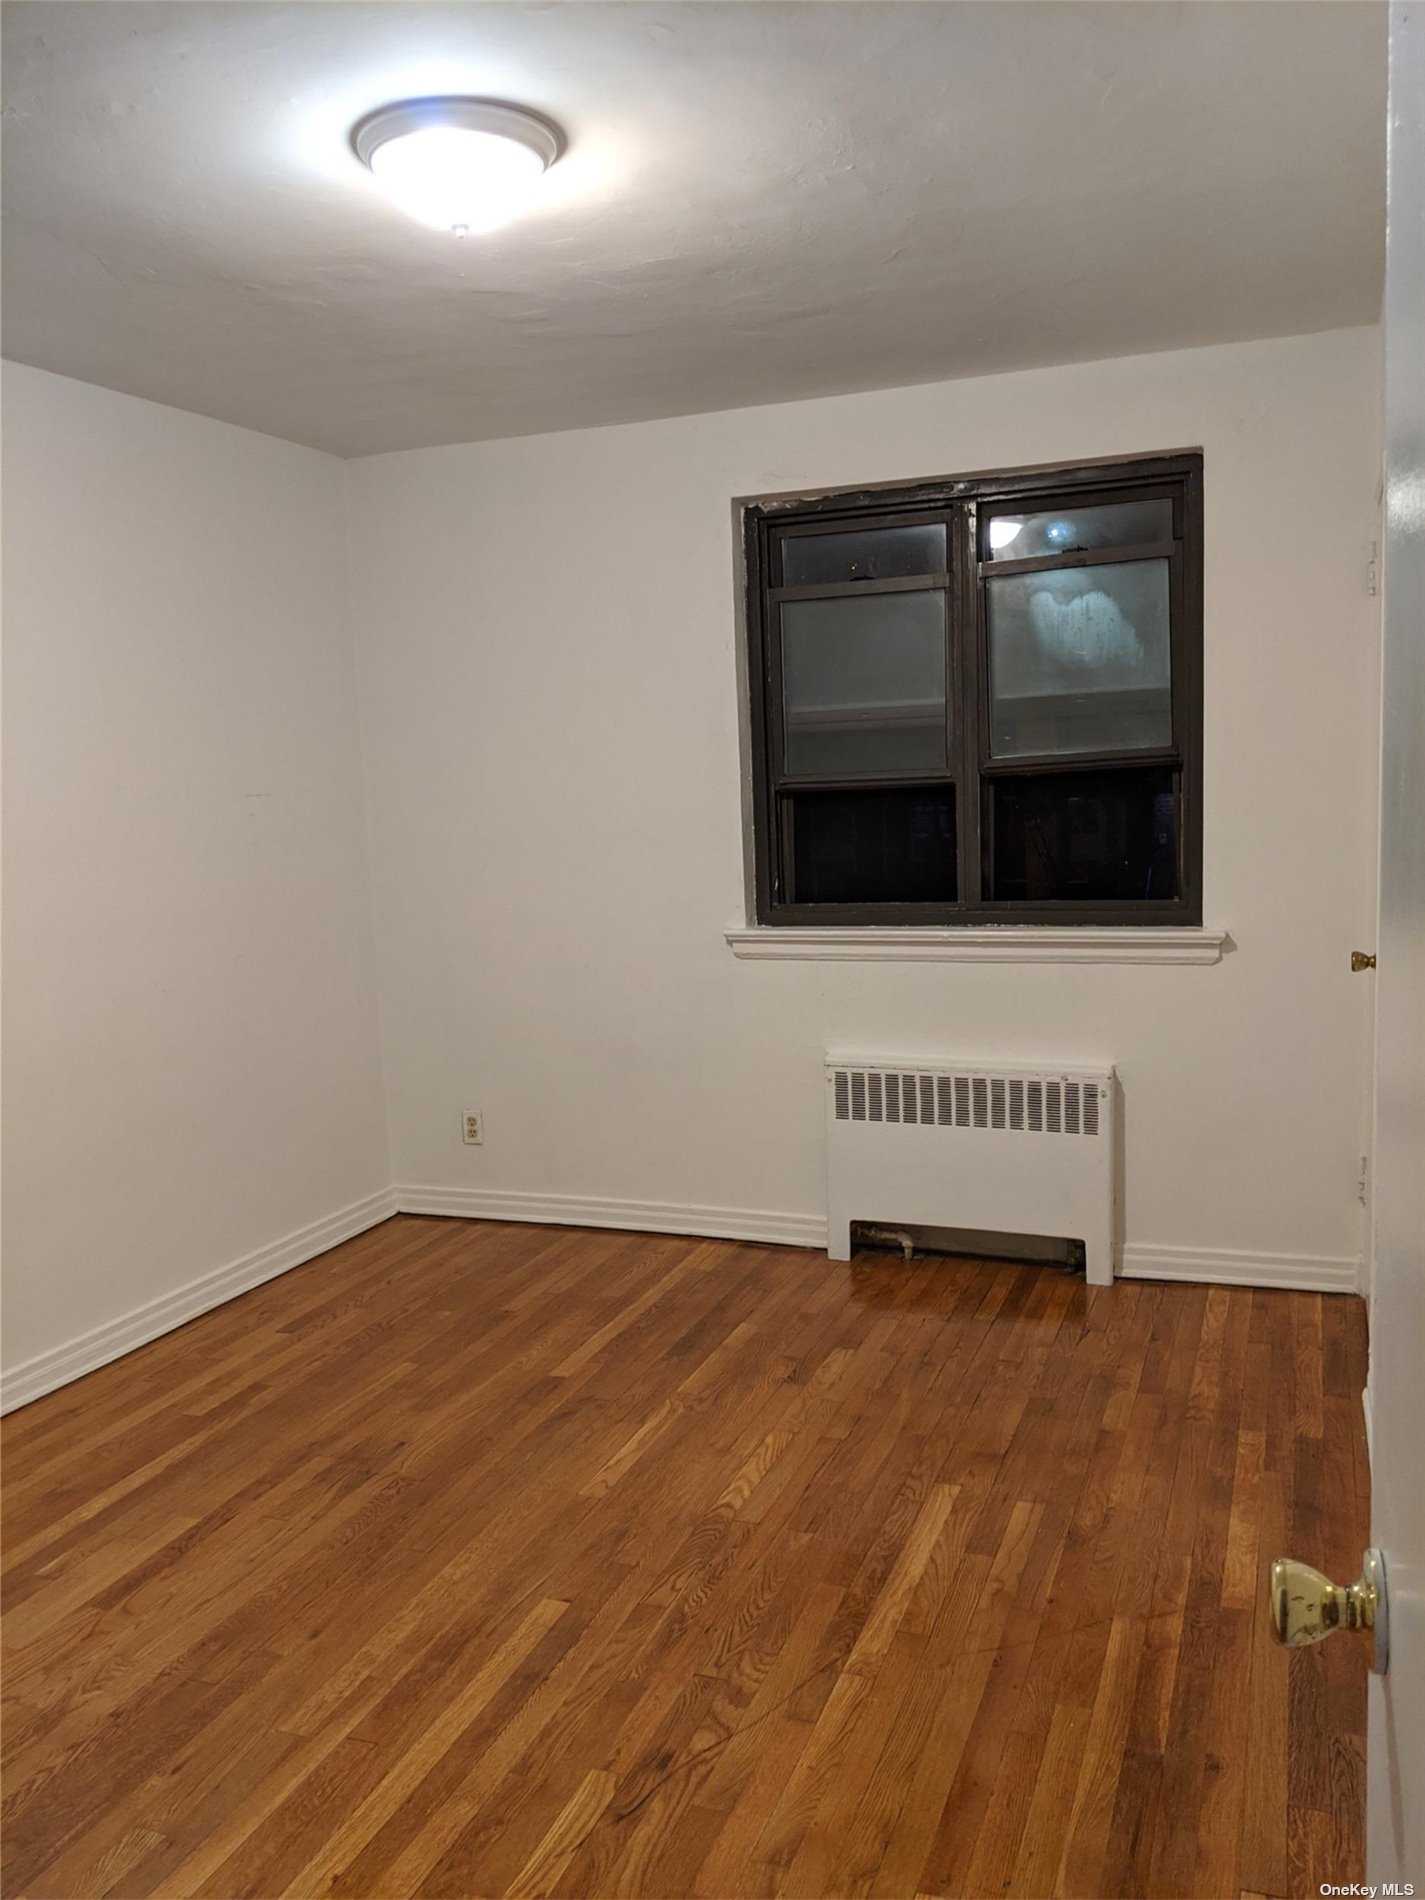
[[1362, 960], [1307, 1607]]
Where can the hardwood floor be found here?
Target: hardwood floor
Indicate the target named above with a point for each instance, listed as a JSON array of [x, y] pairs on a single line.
[[480, 1559]]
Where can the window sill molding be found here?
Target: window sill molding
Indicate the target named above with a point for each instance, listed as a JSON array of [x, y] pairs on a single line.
[[994, 943]]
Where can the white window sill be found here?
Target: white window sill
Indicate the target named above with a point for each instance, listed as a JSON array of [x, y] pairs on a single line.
[[997, 943]]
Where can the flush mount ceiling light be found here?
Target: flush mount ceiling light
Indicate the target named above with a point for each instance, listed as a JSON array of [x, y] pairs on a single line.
[[461, 165]]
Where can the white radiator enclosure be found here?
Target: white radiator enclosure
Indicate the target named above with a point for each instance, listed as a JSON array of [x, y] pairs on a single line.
[[949, 1143]]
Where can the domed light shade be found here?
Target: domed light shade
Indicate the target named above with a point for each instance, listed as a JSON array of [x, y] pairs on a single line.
[[460, 165]]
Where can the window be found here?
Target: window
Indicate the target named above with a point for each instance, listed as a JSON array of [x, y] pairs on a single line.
[[979, 701]]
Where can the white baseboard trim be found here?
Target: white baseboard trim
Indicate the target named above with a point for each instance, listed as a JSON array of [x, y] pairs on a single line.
[[1211, 1266], [652, 1217], [47, 1370], [1310, 1274]]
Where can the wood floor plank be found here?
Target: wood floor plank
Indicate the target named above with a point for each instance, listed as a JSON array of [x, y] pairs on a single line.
[[478, 1559]]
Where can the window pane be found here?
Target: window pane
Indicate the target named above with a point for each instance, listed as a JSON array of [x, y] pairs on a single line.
[[1106, 835], [863, 684], [1068, 530], [1079, 660], [881, 847], [863, 554]]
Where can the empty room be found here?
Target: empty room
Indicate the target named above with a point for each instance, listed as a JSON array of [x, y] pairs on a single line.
[[713, 949]]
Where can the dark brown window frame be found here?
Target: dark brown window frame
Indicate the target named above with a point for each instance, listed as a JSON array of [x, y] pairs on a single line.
[[960, 501]]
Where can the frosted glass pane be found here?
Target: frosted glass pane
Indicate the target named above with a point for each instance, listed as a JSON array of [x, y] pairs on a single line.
[[863, 554], [1116, 524], [863, 684], [1080, 660]]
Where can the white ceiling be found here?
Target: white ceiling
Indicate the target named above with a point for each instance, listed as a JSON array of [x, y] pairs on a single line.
[[760, 200]]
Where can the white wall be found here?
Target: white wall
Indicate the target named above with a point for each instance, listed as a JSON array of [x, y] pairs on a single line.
[[546, 634], [191, 1058]]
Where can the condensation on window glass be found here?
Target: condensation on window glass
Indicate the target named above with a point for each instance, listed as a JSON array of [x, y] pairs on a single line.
[[1080, 660]]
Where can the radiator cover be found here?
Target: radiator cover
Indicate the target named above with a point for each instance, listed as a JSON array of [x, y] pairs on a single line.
[[953, 1143]]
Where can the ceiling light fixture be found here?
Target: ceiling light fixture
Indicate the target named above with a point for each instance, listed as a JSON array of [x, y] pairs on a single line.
[[465, 166]]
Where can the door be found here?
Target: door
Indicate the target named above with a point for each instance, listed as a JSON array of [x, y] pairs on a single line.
[[1395, 1750]]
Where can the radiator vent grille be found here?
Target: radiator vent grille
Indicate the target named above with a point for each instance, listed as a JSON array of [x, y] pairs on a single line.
[[1033, 1104]]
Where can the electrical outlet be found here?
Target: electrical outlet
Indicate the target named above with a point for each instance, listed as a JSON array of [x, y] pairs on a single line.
[[471, 1129]]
